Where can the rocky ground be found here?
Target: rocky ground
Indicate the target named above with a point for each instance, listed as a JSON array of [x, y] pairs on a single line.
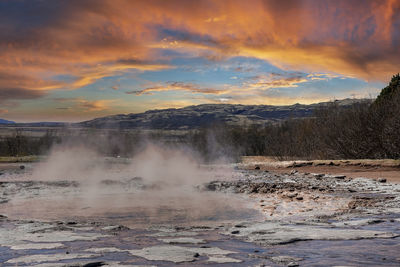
[[368, 168], [292, 219]]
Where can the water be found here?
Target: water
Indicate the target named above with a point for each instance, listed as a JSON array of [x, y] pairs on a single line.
[[151, 212]]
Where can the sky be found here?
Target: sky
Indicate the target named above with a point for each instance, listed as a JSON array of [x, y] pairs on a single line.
[[75, 60]]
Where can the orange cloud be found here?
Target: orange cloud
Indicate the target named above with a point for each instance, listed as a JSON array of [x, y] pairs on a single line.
[[85, 105], [274, 81], [178, 86], [93, 40], [95, 105]]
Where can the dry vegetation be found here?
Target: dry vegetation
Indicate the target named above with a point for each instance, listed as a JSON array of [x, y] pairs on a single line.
[[362, 130]]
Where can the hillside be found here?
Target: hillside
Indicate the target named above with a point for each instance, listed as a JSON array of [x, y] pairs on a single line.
[[2, 121], [192, 117]]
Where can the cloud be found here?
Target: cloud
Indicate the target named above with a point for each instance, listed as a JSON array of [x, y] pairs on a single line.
[[324, 76], [275, 80], [15, 86], [3, 111], [91, 75], [66, 99], [94, 105], [91, 40], [84, 104], [178, 86], [7, 94]]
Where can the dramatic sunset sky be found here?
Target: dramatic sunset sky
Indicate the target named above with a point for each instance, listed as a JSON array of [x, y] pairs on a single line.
[[80, 59]]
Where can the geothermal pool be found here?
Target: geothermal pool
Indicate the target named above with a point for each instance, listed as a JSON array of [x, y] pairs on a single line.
[[163, 208]]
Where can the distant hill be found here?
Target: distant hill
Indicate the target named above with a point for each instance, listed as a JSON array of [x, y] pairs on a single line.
[[193, 117], [6, 122], [43, 124]]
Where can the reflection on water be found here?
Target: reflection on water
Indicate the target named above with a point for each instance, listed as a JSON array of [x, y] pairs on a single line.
[[134, 209]]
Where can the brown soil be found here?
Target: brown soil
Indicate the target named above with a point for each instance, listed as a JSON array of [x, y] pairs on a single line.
[[392, 174], [373, 169]]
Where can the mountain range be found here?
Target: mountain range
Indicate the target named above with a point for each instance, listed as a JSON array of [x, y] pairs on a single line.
[[6, 122], [193, 117]]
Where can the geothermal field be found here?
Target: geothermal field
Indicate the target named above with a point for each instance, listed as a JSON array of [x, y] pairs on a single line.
[[163, 208], [262, 133]]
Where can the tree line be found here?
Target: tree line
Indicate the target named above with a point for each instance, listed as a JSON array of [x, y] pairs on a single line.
[[369, 129]]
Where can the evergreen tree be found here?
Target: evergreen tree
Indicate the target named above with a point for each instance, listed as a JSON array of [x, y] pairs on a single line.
[[388, 92]]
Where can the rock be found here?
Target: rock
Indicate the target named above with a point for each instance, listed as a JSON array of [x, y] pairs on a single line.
[[115, 228], [22, 167], [341, 177], [273, 233], [299, 198], [210, 186], [257, 168], [104, 250], [291, 195], [29, 259], [293, 264], [179, 254], [360, 222], [94, 264], [382, 180], [285, 260], [37, 246], [222, 259], [42, 233], [183, 240], [301, 164], [293, 172], [174, 234], [136, 179], [165, 253]]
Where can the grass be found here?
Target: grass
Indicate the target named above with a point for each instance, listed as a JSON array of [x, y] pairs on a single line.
[[20, 159]]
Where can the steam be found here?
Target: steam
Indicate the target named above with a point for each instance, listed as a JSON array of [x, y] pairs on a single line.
[[158, 185], [155, 164]]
